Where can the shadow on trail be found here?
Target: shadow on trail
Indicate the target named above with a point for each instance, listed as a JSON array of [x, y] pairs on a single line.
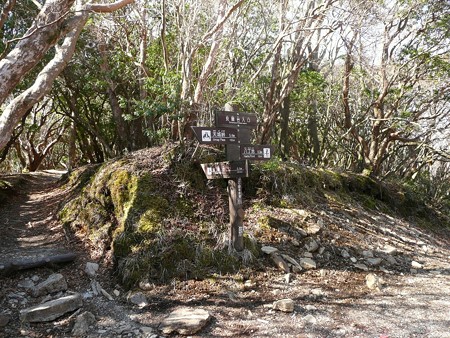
[[29, 229]]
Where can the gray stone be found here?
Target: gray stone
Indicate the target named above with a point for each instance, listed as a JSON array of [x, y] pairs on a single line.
[[147, 330], [185, 321], [26, 284], [138, 299], [51, 310], [269, 249], [416, 265], [82, 324], [310, 308], [314, 228], [373, 281], [308, 263], [367, 254], [310, 319], [284, 305], [390, 250], [391, 260], [96, 288], [145, 285], [4, 319], [345, 254], [279, 261], [35, 278], [361, 267], [301, 212], [296, 269], [308, 254], [374, 261], [54, 283], [106, 294], [289, 277], [249, 284], [311, 245], [91, 269], [353, 259], [291, 261], [124, 328]]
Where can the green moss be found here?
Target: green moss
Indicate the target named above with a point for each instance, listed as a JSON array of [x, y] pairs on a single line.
[[184, 207], [268, 222], [369, 202], [123, 188], [252, 245], [155, 209]]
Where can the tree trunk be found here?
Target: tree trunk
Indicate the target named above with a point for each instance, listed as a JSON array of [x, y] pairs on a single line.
[[284, 133], [314, 133], [52, 23], [45, 32], [42, 86], [72, 145]]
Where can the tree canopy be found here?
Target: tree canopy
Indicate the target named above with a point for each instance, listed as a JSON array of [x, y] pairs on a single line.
[[360, 86]]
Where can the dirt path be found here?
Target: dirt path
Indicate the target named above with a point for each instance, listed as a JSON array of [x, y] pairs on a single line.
[[28, 220], [332, 300]]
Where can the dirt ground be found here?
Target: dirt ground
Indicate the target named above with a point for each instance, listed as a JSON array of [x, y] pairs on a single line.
[[333, 300]]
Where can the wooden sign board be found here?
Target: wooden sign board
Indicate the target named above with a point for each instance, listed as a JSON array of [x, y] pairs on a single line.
[[220, 135], [256, 152], [229, 169], [234, 119]]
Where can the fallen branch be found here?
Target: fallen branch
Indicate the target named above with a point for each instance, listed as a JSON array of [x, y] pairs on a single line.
[[33, 262]]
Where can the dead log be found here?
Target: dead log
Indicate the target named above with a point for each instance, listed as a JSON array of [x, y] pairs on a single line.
[[7, 268]]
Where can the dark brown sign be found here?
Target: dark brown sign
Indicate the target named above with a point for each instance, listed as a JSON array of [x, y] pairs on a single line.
[[220, 135], [227, 169], [234, 119], [256, 152]]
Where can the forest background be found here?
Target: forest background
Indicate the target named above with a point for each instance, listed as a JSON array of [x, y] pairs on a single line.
[[359, 86]]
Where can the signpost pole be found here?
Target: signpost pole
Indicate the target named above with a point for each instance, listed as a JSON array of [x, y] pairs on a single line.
[[235, 199], [236, 213], [234, 129]]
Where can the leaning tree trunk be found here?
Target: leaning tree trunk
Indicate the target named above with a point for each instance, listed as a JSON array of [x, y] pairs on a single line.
[[54, 22]]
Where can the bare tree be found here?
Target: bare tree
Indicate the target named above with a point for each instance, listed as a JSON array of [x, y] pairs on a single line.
[[190, 42], [402, 84], [42, 132], [302, 35]]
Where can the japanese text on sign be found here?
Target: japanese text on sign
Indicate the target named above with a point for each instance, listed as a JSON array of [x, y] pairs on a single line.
[[216, 135], [225, 118], [256, 152]]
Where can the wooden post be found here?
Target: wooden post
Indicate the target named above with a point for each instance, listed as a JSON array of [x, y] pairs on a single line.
[[233, 129], [235, 197], [236, 213]]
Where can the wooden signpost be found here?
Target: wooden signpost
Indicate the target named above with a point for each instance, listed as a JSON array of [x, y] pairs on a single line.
[[233, 129]]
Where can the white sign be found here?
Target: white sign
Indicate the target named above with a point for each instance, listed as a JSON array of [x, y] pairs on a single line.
[[266, 152], [206, 135]]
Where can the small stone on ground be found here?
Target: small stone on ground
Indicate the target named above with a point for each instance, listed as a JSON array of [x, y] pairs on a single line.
[[185, 321]]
